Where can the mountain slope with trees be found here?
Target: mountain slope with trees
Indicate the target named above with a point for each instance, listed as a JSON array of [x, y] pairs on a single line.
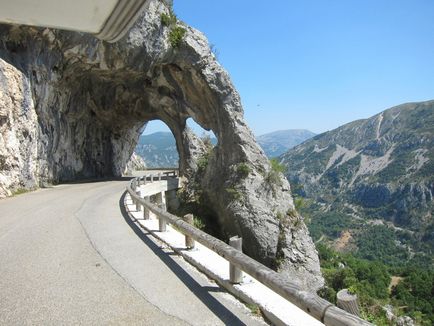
[[377, 172], [366, 192]]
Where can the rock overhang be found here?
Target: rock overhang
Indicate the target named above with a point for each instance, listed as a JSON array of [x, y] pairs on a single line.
[[92, 98]]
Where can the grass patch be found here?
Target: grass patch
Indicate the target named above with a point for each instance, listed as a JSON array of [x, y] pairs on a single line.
[[168, 19], [176, 35], [20, 191], [243, 170], [254, 309], [234, 193], [273, 176], [199, 223]]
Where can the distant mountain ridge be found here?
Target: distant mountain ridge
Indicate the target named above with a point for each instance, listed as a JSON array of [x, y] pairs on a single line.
[[378, 169], [278, 142], [158, 150]]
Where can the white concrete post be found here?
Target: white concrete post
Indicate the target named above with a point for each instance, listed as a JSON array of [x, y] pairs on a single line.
[[146, 212], [189, 242], [161, 200], [235, 274], [161, 222]]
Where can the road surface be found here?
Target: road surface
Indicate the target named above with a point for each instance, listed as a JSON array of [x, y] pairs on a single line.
[[68, 256]]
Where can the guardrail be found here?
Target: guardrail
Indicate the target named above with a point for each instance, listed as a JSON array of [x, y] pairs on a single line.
[[311, 303]]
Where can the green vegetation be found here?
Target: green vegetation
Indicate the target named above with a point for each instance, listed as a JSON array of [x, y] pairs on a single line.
[[370, 280], [243, 170], [276, 166], [199, 222], [273, 176], [379, 242], [176, 35], [20, 191], [234, 193], [168, 19], [415, 293], [202, 162], [254, 309], [329, 224]]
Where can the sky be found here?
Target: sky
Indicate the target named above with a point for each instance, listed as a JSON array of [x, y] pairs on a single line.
[[318, 64]]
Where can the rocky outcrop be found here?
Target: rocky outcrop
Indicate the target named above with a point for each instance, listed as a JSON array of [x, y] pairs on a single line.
[[18, 132], [136, 163], [88, 101]]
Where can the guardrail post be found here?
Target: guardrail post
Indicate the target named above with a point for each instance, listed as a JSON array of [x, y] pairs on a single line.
[[159, 176], [144, 178], [189, 242], [161, 222], [161, 200], [137, 191], [235, 274], [146, 211], [348, 302], [138, 205]]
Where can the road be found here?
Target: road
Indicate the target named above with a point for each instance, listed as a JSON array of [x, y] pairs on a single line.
[[68, 256]]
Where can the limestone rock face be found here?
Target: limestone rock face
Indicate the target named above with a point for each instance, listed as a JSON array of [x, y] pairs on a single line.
[[135, 163], [88, 101], [18, 132]]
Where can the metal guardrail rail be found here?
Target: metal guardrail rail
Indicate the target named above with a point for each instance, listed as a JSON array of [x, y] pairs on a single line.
[[311, 303]]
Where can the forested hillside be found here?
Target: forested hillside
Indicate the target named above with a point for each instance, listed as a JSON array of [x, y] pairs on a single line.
[[366, 191]]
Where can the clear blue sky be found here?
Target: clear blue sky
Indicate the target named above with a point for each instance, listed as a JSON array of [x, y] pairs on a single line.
[[317, 64]]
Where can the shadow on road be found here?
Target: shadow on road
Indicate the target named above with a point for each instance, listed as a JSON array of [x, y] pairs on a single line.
[[202, 292], [94, 180]]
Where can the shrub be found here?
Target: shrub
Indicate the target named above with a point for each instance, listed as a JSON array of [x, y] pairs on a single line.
[[168, 19], [202, 162], [207, 141], [20, 191], [328, 293], [243, 170], [234, 193], [199, 222], [273, 176], [276, 166], [176, 35]]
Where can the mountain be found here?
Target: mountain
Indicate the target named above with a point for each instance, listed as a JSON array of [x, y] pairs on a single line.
[[278, 142], [371, 177], [158, 150]]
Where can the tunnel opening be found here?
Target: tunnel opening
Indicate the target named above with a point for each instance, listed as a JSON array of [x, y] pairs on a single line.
[[158, 147]]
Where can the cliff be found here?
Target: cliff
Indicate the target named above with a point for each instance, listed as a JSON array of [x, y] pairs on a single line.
[[73, 106]]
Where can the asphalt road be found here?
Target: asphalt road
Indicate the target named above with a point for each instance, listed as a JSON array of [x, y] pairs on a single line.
[[68, 256]]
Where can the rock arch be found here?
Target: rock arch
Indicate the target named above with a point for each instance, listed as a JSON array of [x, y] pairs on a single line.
[[87, 101]]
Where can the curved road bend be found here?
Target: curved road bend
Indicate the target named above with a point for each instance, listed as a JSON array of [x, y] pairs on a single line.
[[68, 256]]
